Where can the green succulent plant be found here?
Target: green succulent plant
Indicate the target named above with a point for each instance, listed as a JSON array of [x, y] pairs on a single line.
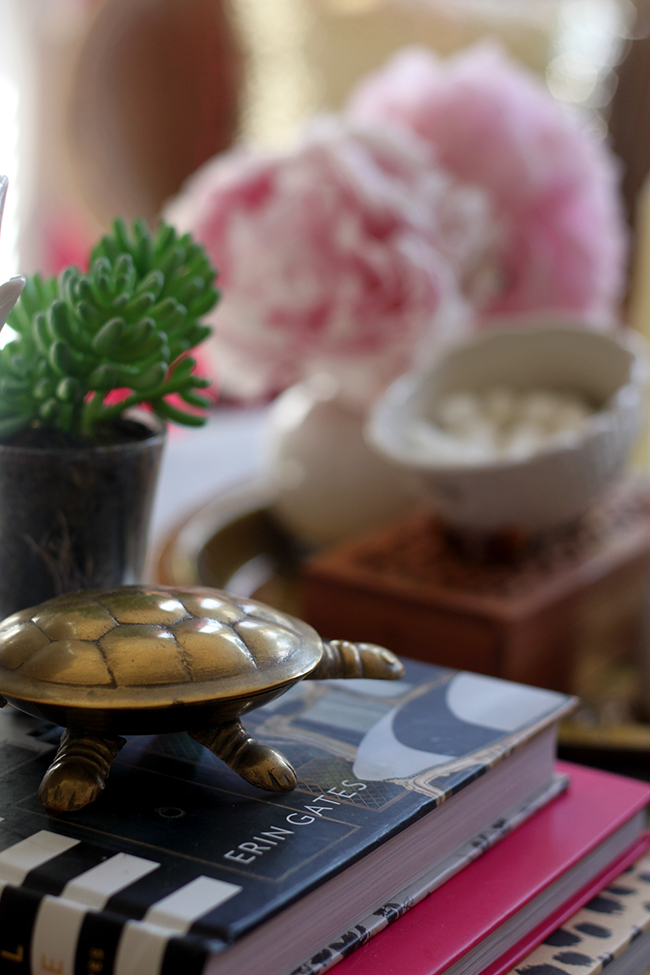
[[126, 324]]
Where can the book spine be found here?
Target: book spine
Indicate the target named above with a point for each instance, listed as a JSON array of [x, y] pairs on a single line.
[[45, 935], [42, 934], [614, 923], [18, 910], [98, 942]]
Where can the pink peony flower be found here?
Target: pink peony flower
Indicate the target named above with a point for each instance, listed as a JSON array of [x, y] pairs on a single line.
[[559, 241], [341, 256]]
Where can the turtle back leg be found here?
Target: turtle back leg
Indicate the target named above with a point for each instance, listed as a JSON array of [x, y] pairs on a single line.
[[343, 659], [79, 771], [259, 764]]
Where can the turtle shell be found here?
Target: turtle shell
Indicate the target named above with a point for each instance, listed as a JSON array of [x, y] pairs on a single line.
[[145, 647]]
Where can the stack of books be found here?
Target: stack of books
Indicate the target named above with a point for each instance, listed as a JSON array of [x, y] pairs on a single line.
[[431, 831]]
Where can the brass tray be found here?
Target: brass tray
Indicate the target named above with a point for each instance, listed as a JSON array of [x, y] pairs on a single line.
[[233, 542]]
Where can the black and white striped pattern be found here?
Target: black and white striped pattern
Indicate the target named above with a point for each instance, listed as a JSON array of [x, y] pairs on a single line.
[[69, 907], [57, 912]]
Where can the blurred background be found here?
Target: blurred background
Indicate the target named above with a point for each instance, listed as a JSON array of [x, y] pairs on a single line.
[[107, 108], [108, 105]]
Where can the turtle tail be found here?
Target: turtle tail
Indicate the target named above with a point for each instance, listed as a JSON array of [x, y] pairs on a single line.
[[343, 659]]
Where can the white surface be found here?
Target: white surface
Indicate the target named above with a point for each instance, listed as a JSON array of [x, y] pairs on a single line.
[[142, 944], [199, 463], [498, 704], [141, 949], [179, 910], [56, 934], [17, 860], [381, 756], [328, 484], [94, 887]]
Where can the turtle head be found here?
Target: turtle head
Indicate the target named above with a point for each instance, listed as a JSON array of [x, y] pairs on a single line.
[[343, 659]]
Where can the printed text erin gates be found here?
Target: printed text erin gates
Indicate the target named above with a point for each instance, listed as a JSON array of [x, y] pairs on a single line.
[[258, 845]]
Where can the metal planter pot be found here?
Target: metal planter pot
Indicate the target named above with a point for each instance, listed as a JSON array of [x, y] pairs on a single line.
[[76, 518]]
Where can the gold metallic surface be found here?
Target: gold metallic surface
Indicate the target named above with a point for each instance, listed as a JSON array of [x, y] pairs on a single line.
[[148, 657], [141, 659], [343, 659], [89, 622], [79, 771], [259, 764]]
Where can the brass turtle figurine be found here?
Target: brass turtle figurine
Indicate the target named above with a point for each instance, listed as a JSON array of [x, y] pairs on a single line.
[[149, 660]]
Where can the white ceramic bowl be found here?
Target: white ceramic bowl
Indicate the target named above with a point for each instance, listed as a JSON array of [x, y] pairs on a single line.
[[551, 487]]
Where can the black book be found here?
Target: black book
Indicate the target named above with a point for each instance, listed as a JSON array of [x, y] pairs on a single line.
[[181, 866]]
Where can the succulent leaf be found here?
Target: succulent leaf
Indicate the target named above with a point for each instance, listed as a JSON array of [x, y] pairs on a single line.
[[108, 338], [126, 323]]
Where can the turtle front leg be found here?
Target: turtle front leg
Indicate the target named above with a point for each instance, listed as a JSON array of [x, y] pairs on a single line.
[[79, 771], [343, 659], [259, 764]]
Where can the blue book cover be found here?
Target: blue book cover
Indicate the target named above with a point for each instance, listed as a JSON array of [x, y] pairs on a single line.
[[180, 859]]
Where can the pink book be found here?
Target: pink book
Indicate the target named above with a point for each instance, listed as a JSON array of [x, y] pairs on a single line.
[[492, 914]]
